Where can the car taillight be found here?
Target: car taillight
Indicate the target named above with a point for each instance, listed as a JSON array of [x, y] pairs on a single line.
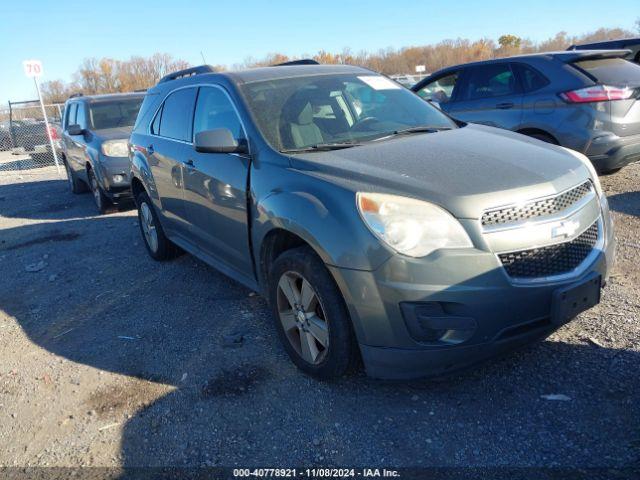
[[597, 93], [53, 133]]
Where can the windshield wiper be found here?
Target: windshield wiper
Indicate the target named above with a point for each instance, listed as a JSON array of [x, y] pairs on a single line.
[[322, 147], [411, 130]]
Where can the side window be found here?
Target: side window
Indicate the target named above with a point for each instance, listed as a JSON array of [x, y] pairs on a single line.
[[490, 81], [214, 110], [177, 114], [155, 125], [441, 90], [70, 118], [531, 78], [81, 118]]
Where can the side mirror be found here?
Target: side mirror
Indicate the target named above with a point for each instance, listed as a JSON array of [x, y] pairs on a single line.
[[75, 129], [219, 140]]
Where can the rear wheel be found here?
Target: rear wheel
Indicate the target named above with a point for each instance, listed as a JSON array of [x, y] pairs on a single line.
[[310, 314], [100, 199], [75, 185], [157, 244]]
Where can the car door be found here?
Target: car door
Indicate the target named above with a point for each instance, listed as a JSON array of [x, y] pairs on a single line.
[[215, 185], [489, 94], [70, 141], [80, 141], [168, 147]]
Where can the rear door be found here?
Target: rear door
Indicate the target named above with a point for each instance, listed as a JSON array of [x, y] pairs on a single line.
[[215, 185], [489, 94], [624, 78], [169, 145]]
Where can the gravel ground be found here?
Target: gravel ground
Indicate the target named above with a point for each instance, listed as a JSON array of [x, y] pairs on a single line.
[[108, 358]]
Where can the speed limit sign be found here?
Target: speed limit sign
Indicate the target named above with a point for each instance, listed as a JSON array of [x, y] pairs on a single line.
[[32, 68]]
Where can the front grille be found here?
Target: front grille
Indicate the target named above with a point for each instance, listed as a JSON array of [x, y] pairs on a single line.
[[551, 260], [536, 208]]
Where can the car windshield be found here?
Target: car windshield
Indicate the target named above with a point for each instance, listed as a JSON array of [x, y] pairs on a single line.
[[333, 110], [121, 113]]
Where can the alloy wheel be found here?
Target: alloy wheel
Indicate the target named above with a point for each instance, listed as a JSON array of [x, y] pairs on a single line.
[[148, 227], [95, 189], [303, 317]]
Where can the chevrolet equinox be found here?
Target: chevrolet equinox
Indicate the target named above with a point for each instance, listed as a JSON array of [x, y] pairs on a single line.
[[377, 227]]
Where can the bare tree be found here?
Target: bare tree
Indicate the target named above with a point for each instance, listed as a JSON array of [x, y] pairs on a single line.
[[108, 75]]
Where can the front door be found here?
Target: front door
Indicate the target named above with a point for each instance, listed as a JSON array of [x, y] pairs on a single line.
[[215, 185]]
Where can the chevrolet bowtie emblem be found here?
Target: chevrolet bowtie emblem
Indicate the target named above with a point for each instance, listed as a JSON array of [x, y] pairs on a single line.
[[565, 229]]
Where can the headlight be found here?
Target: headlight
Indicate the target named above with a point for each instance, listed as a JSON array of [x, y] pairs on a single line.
[[587, 163], [115, 148], [409, 226]]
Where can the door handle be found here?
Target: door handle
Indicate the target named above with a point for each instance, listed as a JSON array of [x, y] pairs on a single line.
[[150, 150], [505, 105], [189, 163]]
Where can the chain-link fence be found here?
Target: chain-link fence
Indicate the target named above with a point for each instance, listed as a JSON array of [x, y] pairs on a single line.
[[24, 138]]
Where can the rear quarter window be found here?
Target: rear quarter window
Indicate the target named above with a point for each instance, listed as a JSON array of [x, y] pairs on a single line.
[[611, 71], [531, 78]]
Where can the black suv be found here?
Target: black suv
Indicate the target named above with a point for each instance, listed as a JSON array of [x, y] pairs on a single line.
[[96, 130]]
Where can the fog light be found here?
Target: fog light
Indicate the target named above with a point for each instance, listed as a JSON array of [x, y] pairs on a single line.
[[118, 178], [429, 323]]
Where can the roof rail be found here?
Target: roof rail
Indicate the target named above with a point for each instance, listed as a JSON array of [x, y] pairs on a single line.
[[187, 72], [140, 90], [76, 95], [304, 61]]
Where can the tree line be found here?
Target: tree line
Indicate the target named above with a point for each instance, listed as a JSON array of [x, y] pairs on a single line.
[[108, 75]]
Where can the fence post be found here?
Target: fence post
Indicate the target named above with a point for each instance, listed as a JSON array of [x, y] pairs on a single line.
[[46, 123]]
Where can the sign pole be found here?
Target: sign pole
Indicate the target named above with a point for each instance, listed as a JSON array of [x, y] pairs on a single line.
[[46, 123]]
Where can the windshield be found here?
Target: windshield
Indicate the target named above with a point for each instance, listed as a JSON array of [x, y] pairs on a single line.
[[122, 113], [302, 112]]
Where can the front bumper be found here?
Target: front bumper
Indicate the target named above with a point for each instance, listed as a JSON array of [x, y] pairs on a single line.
[[110, 167], [469, 286], [610, 152]]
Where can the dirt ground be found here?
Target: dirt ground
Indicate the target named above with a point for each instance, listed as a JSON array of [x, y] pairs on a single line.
[[108, 358]]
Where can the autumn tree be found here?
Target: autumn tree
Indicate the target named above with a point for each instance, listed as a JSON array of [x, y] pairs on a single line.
[[108, 75]]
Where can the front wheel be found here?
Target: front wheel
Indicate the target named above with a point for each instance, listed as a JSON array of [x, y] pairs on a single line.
[[310, 314]]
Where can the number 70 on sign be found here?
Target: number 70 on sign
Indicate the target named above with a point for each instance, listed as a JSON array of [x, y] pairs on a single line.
[[32, 68]]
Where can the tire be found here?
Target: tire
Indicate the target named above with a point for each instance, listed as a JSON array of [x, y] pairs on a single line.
[[543, 136], [75, 185], [316, 332], [99, 198], [158, 246]]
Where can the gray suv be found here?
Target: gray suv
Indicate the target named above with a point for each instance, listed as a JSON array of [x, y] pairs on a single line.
[[376, 226], [95, 132], [583, 100]]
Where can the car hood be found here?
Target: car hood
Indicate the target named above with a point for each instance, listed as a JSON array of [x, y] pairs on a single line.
[[465, 170], [114, 133]]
